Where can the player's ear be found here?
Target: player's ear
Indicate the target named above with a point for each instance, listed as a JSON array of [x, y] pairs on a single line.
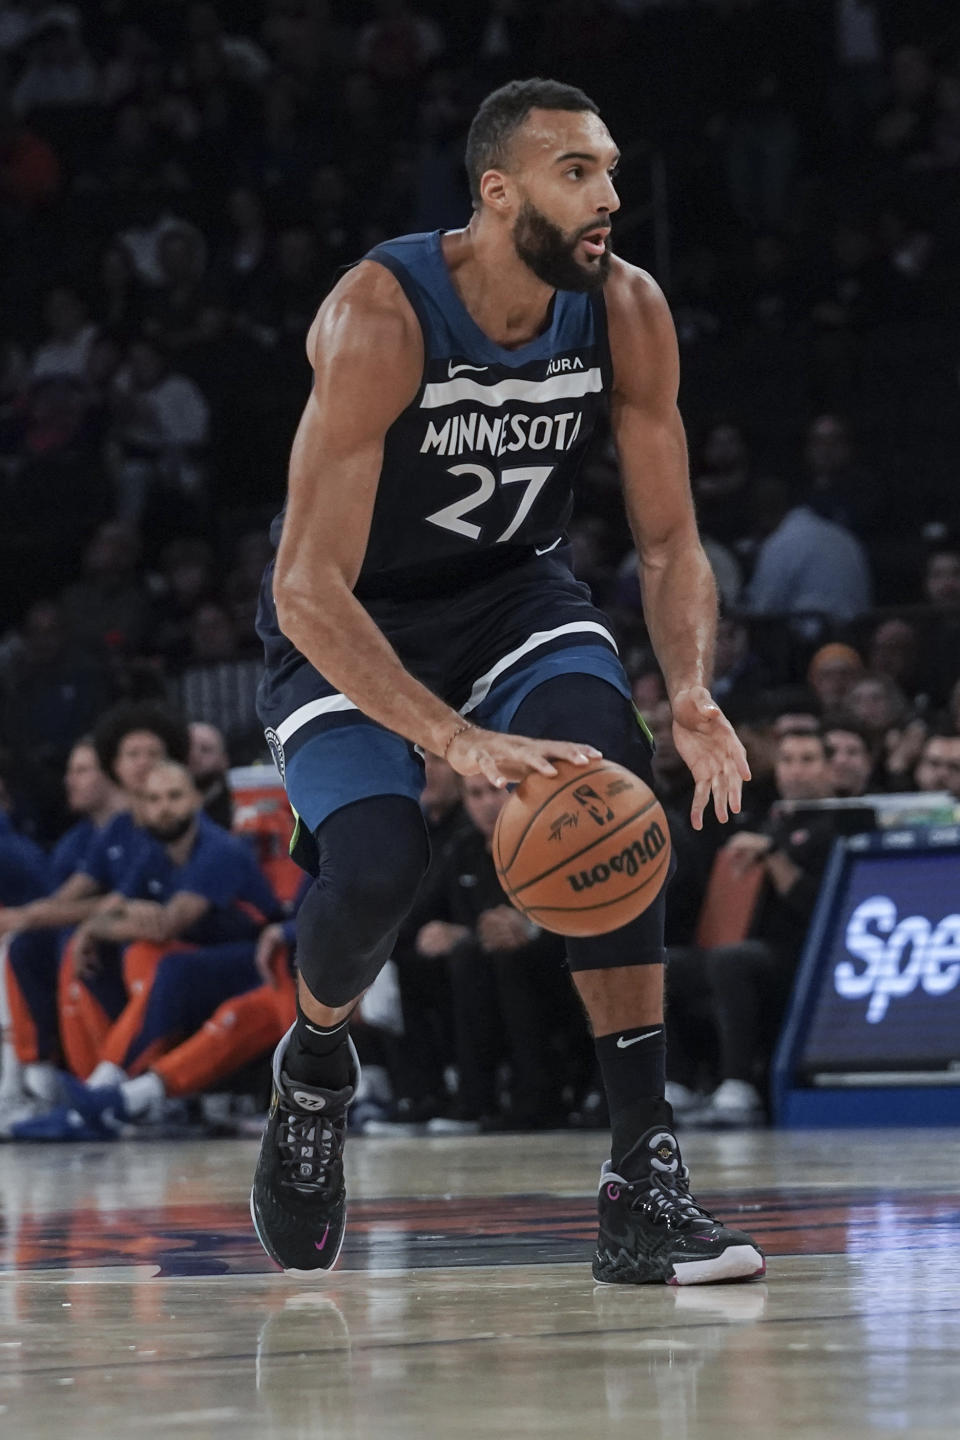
[[495, 190]]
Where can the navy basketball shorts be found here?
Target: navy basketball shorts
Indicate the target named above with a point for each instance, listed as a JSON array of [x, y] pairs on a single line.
[[483, 651]]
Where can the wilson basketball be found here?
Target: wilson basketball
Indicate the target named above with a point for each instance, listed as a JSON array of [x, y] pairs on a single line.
[[584, 851]]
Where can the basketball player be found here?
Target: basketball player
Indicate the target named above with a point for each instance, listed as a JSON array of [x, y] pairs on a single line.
[[421, 597]]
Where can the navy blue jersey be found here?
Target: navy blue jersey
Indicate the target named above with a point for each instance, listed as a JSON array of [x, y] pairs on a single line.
[[478, 471], [24, 870], [68, 853], [113, 850], [221, 867]]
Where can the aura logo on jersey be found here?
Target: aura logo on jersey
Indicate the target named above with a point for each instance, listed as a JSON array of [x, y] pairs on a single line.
[[892, 957], [628, 861]]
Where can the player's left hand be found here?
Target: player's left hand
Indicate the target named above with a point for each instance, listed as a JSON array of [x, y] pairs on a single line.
[[708, 743]]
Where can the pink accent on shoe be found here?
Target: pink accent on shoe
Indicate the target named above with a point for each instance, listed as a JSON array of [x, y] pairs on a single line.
[[319, 1244], [613, 1192]]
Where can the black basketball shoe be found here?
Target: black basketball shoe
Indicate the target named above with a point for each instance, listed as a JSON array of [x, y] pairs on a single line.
[[652, 1231], [299, 1201]]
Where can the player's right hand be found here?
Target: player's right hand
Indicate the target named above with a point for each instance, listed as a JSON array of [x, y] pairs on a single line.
[[508, 759]]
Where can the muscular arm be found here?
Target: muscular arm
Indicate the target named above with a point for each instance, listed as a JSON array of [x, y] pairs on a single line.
[[123, 920], [367, 353], [72, 903], [679, 592]]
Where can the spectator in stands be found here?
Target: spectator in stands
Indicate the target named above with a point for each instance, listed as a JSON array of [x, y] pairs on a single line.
[[188, 912], [29, 168], [66, 351], [805, 563], [426, 1048], [836, 487], [750, 981], [23, 865], [938, 767], [59, 73], [50, 693], [646, 686], [941, 591], [34, 955], [185, 577], [120, 297], [180, 314], [953, 708], [721, 479], [895, 648], [128, 741], [211, 633], [904, 125], [160, 433], [878, 705], [832, 672], [209, 766], [108, 609], [737, 670], [510, 992], [850, 760], [242, 260]]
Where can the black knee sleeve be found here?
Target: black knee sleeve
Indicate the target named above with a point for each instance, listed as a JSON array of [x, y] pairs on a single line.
[[372, 856], [587, 709]]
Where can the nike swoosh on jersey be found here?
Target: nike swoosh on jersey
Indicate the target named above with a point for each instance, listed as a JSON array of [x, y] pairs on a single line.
[[623, 1044], [453, 370], [547, 548]]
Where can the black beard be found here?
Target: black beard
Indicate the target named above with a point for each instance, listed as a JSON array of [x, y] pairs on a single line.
[[549, 253], [169, 834]]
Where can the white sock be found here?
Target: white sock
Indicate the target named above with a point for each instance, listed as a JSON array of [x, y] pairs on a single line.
[[142, 1093], [40, 1080], [106, 1073]]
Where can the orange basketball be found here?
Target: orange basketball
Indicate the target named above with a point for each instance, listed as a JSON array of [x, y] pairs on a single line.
[[582, 852]]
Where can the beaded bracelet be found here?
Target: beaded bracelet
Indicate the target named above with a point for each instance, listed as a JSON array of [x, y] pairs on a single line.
[[464, 725]]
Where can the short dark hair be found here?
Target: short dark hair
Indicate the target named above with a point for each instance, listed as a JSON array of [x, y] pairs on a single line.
[[130, 716], [817, 735], [503, 112], [847, 726]]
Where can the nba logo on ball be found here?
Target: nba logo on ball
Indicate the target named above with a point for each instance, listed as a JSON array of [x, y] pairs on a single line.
[[575, 881]]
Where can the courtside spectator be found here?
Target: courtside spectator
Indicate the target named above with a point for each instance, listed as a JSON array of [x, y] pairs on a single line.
[[426, 1048], [805, 563], [209, 765], [34, 954], [849, 758], [833, 670], [938, 767], [750, 982], [511, 995], [188, 913]]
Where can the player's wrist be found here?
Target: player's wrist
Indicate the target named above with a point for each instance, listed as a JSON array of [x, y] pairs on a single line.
[[454, 732]]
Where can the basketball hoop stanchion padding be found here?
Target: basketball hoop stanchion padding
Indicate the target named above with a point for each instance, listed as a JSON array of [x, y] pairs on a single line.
[[583, 852]]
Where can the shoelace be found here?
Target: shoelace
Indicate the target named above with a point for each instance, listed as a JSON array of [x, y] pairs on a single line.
[[308, 1146], [668, 1198]]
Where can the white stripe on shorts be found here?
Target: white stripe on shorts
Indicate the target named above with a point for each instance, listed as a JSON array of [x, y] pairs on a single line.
[[327, 706], [484, 685], [331, 704]]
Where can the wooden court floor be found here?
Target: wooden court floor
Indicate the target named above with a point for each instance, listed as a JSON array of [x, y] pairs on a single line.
[[135, 1301]]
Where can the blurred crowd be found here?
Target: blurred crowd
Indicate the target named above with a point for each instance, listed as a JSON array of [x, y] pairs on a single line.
[[180, 184]]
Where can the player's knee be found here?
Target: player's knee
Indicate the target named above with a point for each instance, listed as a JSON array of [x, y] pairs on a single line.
[[373, 855]]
